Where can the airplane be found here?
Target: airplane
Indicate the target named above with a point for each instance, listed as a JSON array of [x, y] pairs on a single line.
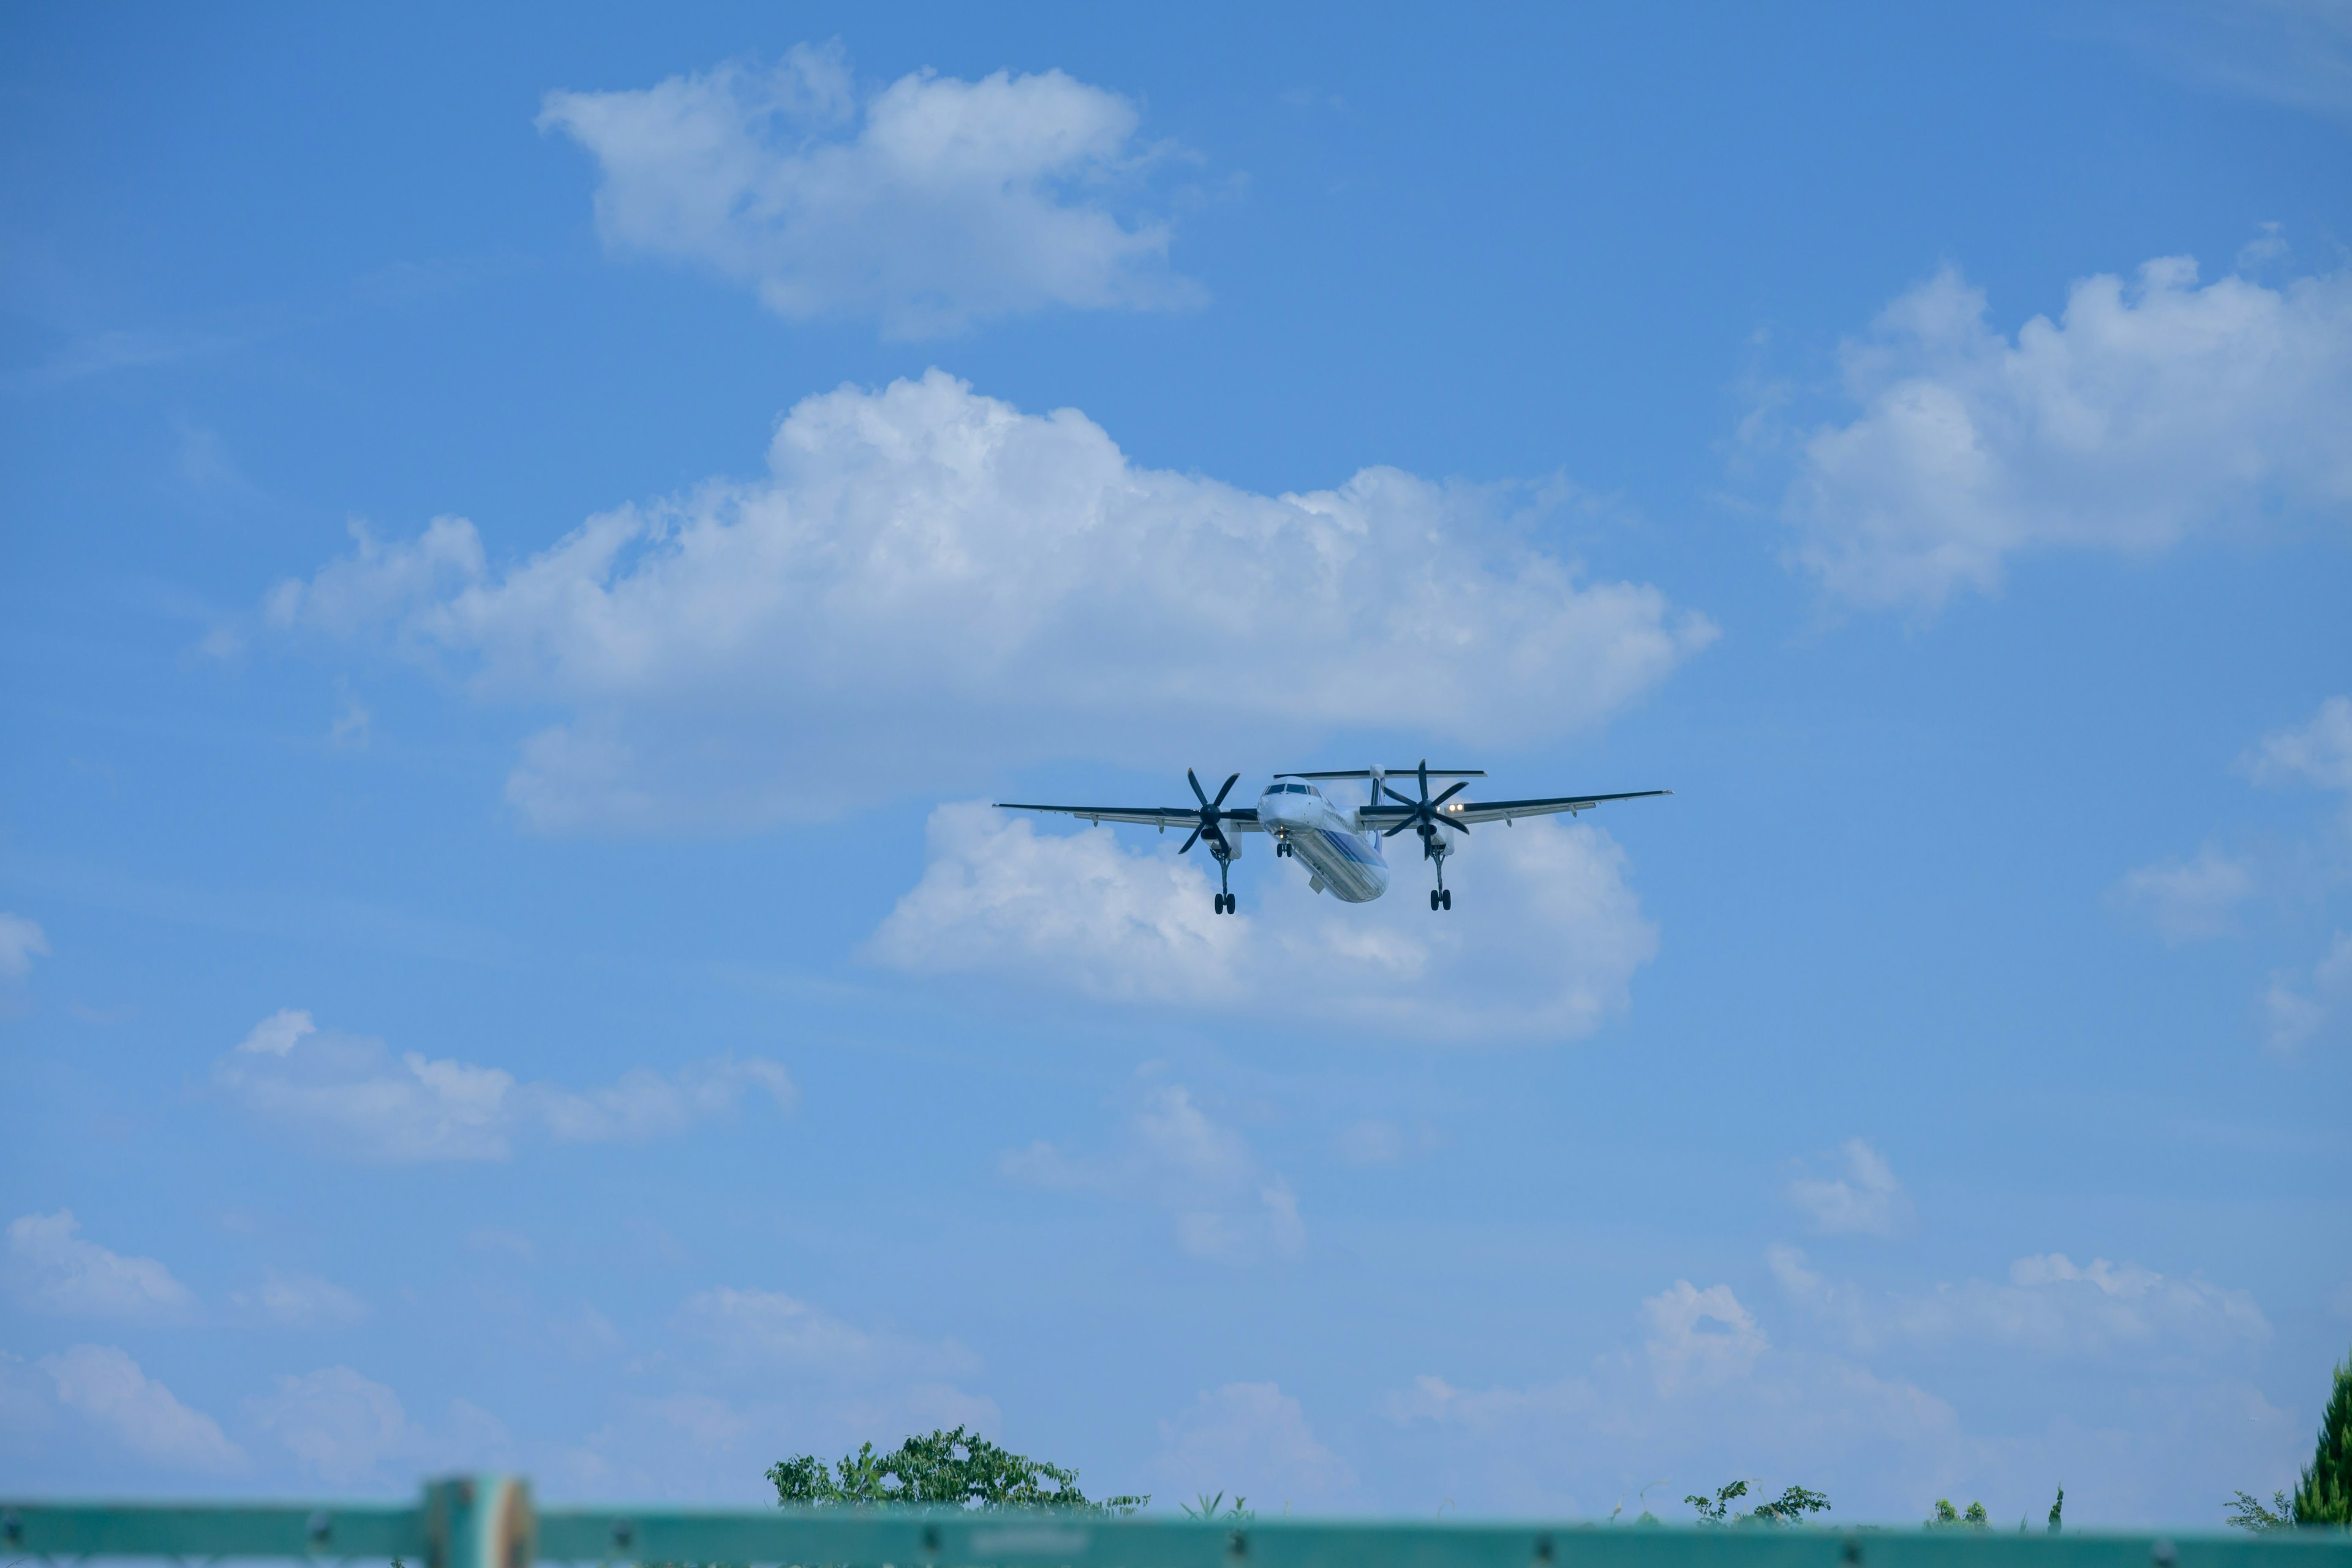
[[1340, 844]]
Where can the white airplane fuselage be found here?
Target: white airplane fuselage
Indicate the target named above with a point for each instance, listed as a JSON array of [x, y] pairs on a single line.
[[1348, 864]]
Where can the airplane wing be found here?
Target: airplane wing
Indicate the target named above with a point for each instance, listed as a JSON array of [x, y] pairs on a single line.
[[1477, 811], [1241, 819]]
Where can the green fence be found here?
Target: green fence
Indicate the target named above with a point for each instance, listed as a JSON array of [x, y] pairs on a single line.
[[488, 1521]]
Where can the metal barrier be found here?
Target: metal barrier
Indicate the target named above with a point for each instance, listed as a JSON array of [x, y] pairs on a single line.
[[488, 1521]]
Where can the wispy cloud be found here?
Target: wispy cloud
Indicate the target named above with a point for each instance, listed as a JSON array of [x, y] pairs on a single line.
[[1251, 1439], [2049, 1304], [1224, 1204], [106, 1388], [2185, 900], [53, 1269], [1865, 1200], [2299, 1010], [353, 1098], [21, 941]]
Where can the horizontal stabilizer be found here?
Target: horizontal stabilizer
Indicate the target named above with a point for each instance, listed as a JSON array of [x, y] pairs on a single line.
[[1391, 773]]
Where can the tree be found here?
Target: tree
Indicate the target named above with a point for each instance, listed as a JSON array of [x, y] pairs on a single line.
[[1946, 1517], [2324, 1497], [944, 1469], [2057, 1511]]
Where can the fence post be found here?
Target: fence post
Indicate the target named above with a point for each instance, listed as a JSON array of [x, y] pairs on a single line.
[[481, 1522]]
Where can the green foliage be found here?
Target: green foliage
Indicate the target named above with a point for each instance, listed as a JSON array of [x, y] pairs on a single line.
[[1789, 1508], [2325, 1496], [2057, 1509], [944, 1469], [1204, 1505], [1946, 1517], [2248, 1512]]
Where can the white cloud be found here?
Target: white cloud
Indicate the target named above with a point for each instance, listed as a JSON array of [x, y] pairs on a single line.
[[1378, 1142], [338, 1425], [2295, 1014], [1866, 1201], [1225, 1204], [21, 941], [930, 585], [1543, 940], [1250, 1439], [301, 1301], [932, 203], [2049, 1304], [108, 1389], [1698, 1337], [769, 1331], [2149, 411], [351, 1097], [2318, 753], [1706, 1385], [2185, 900], [51, 1268]]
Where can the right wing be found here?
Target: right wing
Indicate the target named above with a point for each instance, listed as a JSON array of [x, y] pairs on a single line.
[[1243, 819]]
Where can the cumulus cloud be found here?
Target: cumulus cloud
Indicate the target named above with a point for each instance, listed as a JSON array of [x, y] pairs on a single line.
[[1253, 1440], [1225, 1204], [931, 203], [338, 1423], [1543, 940], [21, 941], [53, 1269], [769, 1331], [2185, 900], [1866, 1201], [2049, 1304], [2151, 410], [2299, 1010], [108, 1390], [352, 1097], [931, 584]]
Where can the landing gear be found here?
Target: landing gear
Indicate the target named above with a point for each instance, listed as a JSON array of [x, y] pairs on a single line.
[[1440, 898], [1435, 848], [1225, 874], [1282, 848], [1224, 903]]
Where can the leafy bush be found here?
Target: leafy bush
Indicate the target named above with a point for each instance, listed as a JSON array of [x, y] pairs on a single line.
[[944, 1469], [1946, 1517], [1789, 1508]]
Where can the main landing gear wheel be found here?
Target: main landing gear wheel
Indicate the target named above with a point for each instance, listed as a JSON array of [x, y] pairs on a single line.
[[1441, 898], [1224, 903]]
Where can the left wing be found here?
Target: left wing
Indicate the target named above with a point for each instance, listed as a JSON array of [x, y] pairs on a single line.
[[1243, 819], [1467, 812]]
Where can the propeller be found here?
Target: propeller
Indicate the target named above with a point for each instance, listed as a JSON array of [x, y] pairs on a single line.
[[1211, 813], [1426, 814]]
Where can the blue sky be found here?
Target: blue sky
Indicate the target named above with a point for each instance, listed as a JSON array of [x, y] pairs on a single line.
[[530, 538]]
